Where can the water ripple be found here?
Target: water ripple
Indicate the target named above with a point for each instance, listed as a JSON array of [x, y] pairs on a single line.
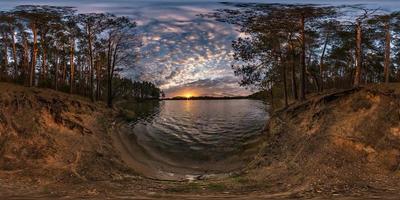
[[193, 132]]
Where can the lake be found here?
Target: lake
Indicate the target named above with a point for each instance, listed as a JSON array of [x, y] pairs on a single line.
[[199, 136]]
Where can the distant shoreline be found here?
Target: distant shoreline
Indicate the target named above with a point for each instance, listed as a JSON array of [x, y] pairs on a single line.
[[207, 98]]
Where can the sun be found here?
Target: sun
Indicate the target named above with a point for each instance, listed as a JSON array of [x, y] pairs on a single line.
[[188, 95]]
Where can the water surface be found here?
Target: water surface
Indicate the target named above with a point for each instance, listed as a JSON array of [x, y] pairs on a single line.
[[205, 136]]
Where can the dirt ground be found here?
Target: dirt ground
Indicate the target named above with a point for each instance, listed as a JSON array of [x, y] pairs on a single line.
[[341, 145]]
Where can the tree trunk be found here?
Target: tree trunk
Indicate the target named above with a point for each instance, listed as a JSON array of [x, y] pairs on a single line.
[[387, 52], [113, 63], [285, 84], [14, 52], [272, 96], [294, 83], [79, 72], [89, 31], [25, 64], [64, 68], [72, 66], [303, 60], [34, 56], [109, 92], [109, 82], [112, 55], [314, 80], [56, 73], [5, 57], [357, 76], [284, 79], [44, 57], [321, 65], [109, 78], [97, 64], [87, 79]]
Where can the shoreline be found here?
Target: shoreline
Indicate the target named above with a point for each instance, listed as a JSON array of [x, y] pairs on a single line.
[[137, 158]]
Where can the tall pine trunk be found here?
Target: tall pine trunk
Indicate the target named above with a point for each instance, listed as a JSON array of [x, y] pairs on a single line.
[[303, 60], [284, 79], [14, 52], [97, 64], [357, 76], [321, 65], [5, 57], [72, 66], [43, 69], [285, 84], [271, 92], [34, 56], [293, 72], [64, 67], [25, 62], [91, 71], [56, 72], [387, 53]]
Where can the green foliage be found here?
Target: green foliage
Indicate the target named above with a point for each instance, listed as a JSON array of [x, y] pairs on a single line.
[[218, 187], [241, 180], [127, 89], [54, 47], [268, 55]]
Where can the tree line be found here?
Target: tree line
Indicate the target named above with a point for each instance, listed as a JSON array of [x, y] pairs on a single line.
[[293, 50], [128, 89], [55, 47]]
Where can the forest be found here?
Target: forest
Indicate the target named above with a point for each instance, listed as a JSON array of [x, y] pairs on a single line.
[[142, 90], [292, 50], [85, 54]]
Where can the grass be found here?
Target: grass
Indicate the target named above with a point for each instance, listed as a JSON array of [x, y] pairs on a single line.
[[189, 187], [360, 102], [127, 115], [216, 187], [104, 123], [241, 180]]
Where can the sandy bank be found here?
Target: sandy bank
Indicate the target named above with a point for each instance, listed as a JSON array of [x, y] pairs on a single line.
[[344, 145]]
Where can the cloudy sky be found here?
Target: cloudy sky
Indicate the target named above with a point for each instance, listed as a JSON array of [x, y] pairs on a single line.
[[183, 52]]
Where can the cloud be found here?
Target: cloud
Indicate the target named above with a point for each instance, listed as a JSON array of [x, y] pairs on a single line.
[[179, 52], [224, 86]]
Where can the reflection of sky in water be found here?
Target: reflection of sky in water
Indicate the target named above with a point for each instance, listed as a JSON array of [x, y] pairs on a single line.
[[181, 50], [186, 133]]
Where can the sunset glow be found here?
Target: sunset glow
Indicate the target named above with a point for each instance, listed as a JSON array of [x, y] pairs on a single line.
[[188, 94]]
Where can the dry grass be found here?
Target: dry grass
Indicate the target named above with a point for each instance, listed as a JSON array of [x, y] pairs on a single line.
[[51, 136], [344, 144]]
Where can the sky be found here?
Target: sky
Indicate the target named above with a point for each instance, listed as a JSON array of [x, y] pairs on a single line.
[[182, 52]]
